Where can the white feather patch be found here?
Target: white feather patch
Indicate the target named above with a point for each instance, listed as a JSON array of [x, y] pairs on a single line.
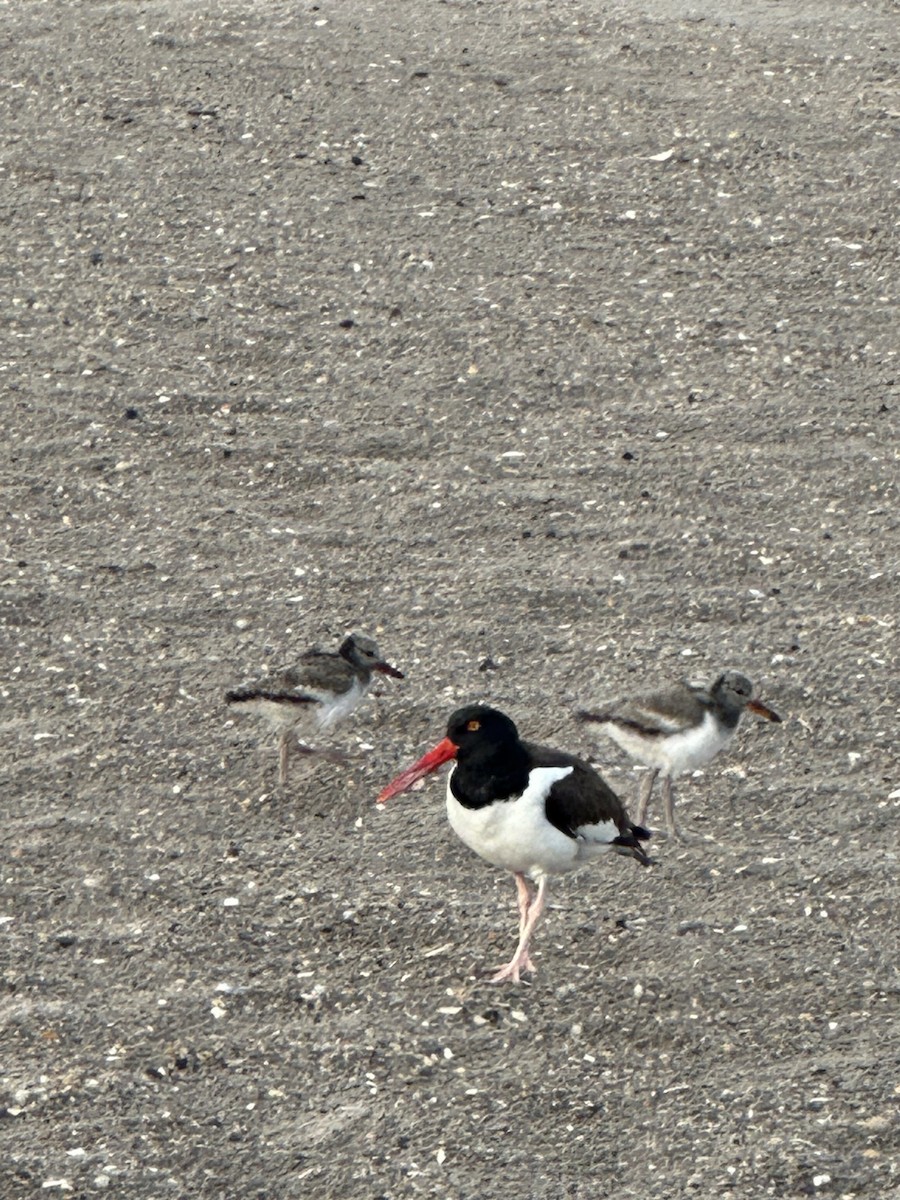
[[674, 752], [516, 835], [325, 711]]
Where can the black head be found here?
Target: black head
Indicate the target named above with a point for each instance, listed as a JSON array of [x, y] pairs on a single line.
[[479, 727], [733, 692], [359, 650], [491, 762], [362, 654], [733, 687]]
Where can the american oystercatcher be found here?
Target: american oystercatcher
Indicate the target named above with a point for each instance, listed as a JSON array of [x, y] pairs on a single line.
[[323, 688], [678, 730], [531, 810]]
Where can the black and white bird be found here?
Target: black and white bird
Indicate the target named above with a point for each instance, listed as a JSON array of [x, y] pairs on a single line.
[[677, 730], [528, 809], [324, 687]]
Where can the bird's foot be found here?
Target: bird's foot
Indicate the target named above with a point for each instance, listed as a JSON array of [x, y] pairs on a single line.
[[311, 753], [338, 757], [512, 970]]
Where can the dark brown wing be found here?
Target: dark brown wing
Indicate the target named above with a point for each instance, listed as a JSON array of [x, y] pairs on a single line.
[[584, 798], [657, 715], [320, 671]]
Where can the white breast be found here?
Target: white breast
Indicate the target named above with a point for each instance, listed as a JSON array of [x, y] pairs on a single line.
[[515, 834], [334, 709], [674, 752]]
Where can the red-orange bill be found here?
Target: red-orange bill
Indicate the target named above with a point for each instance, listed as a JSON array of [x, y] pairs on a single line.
[[429, 762], [763, 710], [386, 669]]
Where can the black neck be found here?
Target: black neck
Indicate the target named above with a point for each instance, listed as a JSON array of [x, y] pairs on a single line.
[[484, 774], [725, 710]]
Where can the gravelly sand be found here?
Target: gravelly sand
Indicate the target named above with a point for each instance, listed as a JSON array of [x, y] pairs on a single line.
[[560, 335]]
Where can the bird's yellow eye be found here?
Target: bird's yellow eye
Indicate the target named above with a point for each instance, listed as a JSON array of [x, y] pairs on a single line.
[[472, 726]]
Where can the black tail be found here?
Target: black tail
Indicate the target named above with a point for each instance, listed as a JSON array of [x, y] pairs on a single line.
[[600, 718], [242, 695]]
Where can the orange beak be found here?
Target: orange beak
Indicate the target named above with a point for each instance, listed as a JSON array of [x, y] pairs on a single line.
[[429, 762], [386, 669], [763, 710]]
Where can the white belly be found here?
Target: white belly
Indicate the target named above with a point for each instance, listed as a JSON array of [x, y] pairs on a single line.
[[675, 752], [330, 711], [516, 835], [321, 715]]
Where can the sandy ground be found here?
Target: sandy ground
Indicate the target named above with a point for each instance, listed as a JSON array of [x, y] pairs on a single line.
[[560, 335]]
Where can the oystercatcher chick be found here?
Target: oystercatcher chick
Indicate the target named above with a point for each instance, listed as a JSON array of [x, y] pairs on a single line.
[[678, 730], [324, 687], [528, 809]]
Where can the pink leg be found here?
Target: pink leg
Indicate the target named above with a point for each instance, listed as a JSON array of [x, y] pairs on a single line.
[[644, 794], [524, 898], [668, 793], [284, 755], [521, 960]]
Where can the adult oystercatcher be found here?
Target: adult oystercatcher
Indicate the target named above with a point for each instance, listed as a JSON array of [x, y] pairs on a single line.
[[531, 810], [678, 730], [323, 688]]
